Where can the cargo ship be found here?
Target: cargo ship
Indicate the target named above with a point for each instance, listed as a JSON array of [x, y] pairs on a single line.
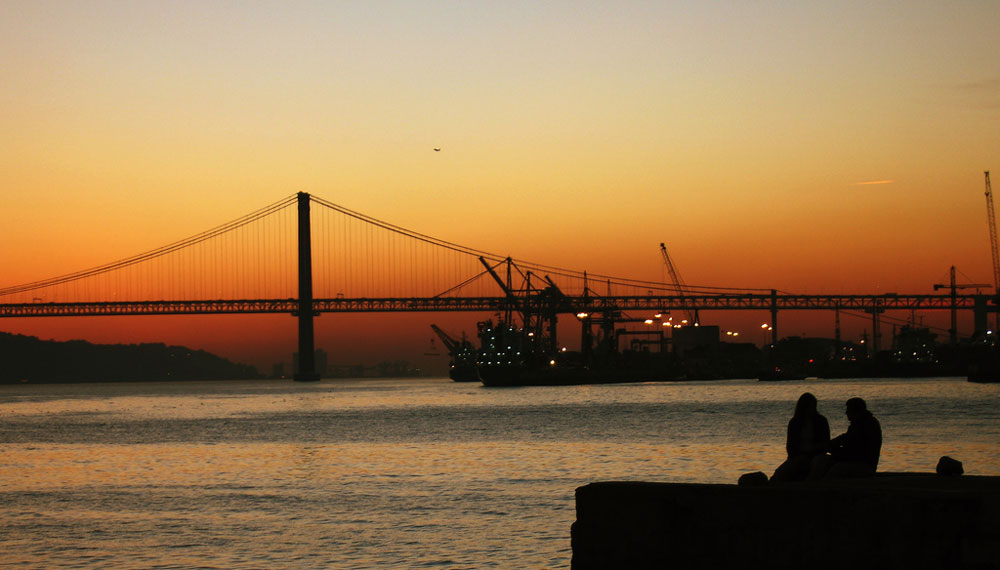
[[462, 354], [512, 356]]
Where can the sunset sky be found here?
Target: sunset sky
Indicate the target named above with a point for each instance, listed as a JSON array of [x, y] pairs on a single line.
[[811, 147]]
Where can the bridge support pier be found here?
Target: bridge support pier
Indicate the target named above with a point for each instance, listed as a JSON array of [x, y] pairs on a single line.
[[876, 328], [307, 343], [979, 317], [774, 317], [837, 346]]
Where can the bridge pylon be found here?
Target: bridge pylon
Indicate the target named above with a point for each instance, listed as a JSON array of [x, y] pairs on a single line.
[[307, 342]]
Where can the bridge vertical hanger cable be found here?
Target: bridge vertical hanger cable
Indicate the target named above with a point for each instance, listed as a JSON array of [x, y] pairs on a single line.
[[330, 259], [236, 281], [238, 262], [249, 256], [269, 242], [320, 253], [241, 254], [167, 290], [370, 265], [344, 258], [226, 271], [379, 262], [330, 254]]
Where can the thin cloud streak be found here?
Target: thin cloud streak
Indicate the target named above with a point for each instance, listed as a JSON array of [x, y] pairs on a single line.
[[986, 90], [990, 84], [873, 182]]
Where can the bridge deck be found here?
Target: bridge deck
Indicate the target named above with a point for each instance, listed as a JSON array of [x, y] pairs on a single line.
[[568, 304]]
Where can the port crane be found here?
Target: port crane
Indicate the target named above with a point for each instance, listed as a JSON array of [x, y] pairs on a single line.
[[692, 315], [450, 343], [992, 220], [953, 331]]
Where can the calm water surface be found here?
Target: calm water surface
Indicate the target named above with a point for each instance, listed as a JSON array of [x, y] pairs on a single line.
[[407, 473]]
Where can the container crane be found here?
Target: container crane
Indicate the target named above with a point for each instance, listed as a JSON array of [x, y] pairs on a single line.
[[992, 219], [991, 214], [453, 345], [463, 356], [953, 331], [691, 315]]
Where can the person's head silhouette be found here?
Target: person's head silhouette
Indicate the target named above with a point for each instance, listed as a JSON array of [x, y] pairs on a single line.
[[856, 408], [806, 405]]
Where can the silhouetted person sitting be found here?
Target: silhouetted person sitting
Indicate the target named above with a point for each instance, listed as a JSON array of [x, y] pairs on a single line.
[[856, 452], [808, 437]]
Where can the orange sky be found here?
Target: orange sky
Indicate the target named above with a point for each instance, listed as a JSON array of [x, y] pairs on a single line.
[[574, 134]]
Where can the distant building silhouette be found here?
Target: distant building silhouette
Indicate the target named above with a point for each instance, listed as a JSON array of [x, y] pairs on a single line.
[[690, 338], [321, 360]]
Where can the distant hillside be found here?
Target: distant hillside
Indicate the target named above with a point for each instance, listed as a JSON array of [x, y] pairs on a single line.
[[26, 358]]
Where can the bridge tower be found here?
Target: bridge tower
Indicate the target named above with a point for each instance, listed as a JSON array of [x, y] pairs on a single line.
[[307, 343]]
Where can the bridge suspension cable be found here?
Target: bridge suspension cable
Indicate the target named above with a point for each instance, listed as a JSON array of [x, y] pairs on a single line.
[[155, 253], [359, 256], [523, 266]]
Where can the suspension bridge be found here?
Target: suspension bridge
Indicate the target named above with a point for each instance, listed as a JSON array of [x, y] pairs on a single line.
[[304, 256]]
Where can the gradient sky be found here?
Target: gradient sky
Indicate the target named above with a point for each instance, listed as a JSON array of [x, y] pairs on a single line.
[[747, 136]]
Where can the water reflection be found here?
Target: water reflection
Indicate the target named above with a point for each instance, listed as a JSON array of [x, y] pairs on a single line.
[[400, 473]]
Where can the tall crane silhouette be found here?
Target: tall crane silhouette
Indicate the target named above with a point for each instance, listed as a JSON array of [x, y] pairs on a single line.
[[954, 286], [463, 356], [991, 214], [992, 219], [692, 316]]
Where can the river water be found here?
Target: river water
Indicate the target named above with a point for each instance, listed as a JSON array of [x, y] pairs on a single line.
[[402, 473]]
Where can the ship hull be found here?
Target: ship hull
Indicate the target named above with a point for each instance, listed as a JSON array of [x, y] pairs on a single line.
[[986, 370], [464, 373], [505, 376]]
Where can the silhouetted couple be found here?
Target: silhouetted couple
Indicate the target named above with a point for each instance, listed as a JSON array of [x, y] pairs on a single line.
[[813, 455]]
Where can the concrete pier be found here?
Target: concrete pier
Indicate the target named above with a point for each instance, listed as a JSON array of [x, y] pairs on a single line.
[[910, 521]]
